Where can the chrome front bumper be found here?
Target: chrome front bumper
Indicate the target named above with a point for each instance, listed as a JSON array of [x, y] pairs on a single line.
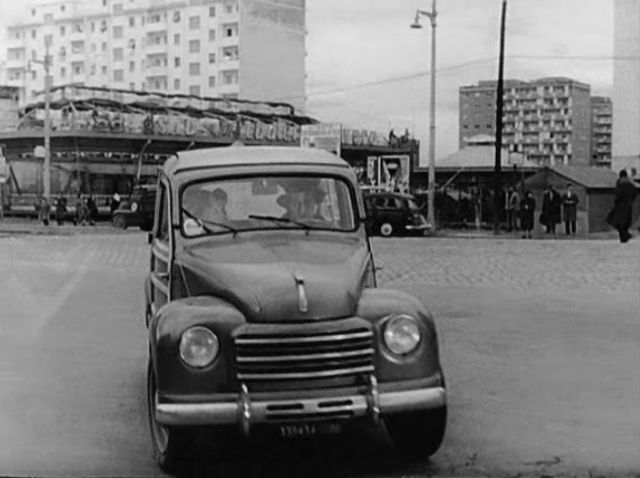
[[246, 412]]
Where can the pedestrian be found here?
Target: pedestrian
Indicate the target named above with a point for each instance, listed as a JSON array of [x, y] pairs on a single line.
[[527, 214], [621, 214], [43, 208], [61, 209], [551, 209], [513, 202], [81, 211], [92, 210], [570, 203], [115, 203]]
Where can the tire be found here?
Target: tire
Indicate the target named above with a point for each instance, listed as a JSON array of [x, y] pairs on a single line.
[[417, 435], [119, 221], [386, 229], [171, 445]]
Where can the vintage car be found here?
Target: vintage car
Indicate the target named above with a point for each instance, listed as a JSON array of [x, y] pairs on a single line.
[[137, 210], [263, 311], [392, 214]]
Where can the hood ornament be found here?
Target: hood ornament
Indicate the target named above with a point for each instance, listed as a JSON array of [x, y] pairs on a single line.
[[303, 303]]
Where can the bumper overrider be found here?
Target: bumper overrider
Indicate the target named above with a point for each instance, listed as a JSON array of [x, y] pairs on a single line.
[[244, 410]]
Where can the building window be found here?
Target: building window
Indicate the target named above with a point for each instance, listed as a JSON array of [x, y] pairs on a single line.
[[230, 53], [212, 58], [132, 21], [104, 3], [77, 47], [230, 77], [212, 82], [93, 27], [34, 74], [117, 8], [118, 75], [228, 8], [176, 61], [118, 54], [194, 46], [62, 8], [230, 31], [77, 67], [176, 39], [33, 33], [212, 35], [176, 84], [194, 23], [194, 90], [194, 69], [212, 11], [117, 32], [48, 18], [93, 70], [77, 27], [63, 72], [132, 86], [48, 39], [63, 30], [132, 66], [176, 16], [104, 69]]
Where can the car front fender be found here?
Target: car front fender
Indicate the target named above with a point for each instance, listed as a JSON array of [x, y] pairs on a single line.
[[378, 306]]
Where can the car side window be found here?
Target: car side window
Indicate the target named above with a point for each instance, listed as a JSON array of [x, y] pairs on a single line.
[[163, 214], [398, 203]]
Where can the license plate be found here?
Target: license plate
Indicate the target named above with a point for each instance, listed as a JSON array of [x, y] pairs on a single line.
[[297, 430]]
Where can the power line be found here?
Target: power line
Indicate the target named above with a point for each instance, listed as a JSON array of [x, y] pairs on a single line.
[[424, 74]]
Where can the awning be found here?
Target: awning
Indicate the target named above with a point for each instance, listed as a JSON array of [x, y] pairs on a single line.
[[110, 168]]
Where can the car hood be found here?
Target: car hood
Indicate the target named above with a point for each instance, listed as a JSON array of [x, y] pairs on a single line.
[[279, 280]]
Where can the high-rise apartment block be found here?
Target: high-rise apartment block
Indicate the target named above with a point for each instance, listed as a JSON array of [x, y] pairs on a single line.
[[626, 87], [252, 49], [601, 123], [549, 120]]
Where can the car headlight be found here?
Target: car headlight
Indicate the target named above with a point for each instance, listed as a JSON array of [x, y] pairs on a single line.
[[198, 346], [402, 334]]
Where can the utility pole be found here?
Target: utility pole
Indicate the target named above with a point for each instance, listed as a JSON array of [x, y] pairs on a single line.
[[47, 125], [432, 15], [497, 205]]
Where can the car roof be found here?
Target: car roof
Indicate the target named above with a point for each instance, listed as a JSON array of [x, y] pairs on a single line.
[[249, 155]]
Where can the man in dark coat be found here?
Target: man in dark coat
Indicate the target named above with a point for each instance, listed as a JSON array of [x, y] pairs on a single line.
[[61, 209], [621, 215], [551, 209], [527, 214], [570, 210]]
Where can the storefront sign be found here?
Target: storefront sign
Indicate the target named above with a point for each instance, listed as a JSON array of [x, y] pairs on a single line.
[[327, 136]]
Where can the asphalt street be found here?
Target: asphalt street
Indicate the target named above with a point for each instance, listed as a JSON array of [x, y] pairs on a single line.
[[540, 342]]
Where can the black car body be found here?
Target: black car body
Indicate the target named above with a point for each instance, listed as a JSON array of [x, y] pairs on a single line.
[[390, 214], [137, 210], [270, 322]]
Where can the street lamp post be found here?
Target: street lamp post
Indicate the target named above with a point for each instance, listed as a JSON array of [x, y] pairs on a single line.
[[432, 109], [46, 176]]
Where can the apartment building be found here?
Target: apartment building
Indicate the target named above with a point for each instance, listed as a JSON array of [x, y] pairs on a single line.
[[626, 88], [601, 125], [251, 49], [549, 119]]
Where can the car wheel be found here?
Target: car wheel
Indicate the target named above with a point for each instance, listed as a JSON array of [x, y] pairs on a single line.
[[119, 221], [386, 229], [417, 435], [170, 444]]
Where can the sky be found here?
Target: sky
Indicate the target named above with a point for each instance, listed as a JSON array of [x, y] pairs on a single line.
[[367, 69]]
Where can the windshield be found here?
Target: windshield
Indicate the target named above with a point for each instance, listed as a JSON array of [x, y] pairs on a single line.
[[266, 202]]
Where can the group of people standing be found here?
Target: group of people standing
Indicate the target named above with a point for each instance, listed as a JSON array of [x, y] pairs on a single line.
[[556, 207], [86, 210]]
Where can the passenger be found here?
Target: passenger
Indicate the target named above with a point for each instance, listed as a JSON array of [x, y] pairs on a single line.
[[291, 204], [312, 203], [218, 204]]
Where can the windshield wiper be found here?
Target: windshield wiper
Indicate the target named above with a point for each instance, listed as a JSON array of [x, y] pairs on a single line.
[[285, 220], [204, 223]]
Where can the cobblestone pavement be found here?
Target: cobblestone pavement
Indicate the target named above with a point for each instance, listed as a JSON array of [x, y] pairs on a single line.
[[604, 265], [539, 341]]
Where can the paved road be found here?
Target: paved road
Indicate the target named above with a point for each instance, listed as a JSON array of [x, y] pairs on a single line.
[[540, 342]]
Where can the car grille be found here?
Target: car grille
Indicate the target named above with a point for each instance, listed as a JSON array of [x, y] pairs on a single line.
[[310, 357]]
